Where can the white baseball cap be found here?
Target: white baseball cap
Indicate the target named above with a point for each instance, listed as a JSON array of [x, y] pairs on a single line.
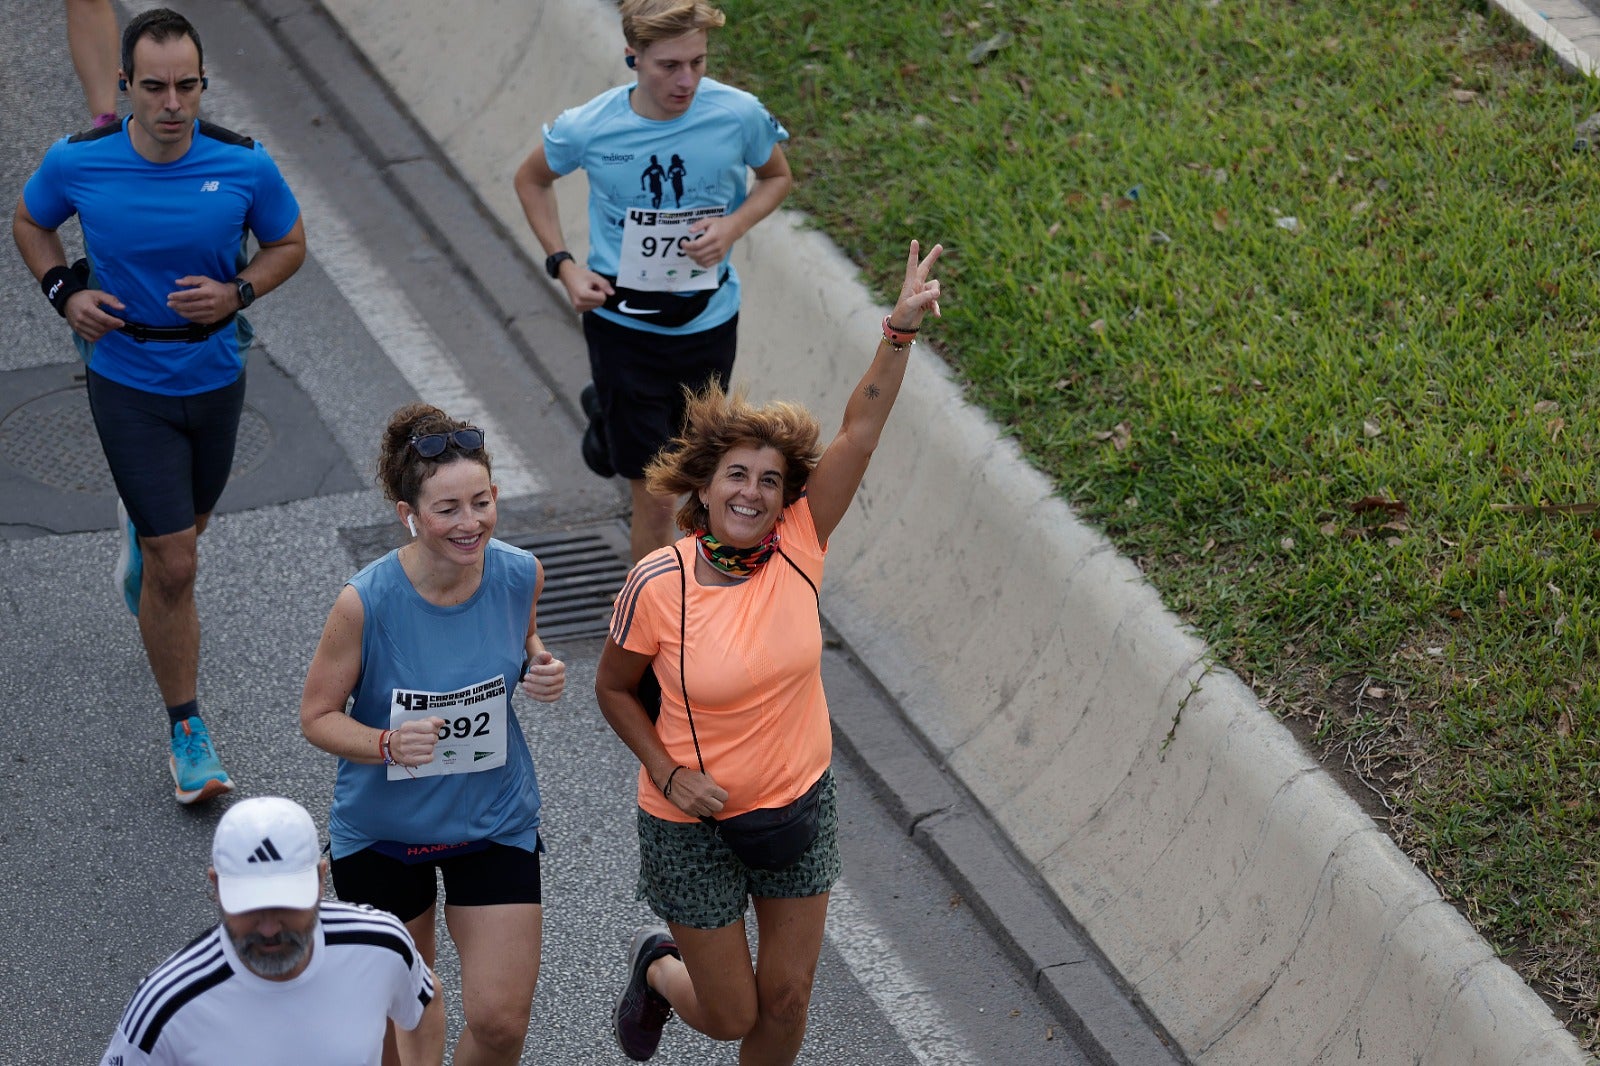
[[266, 855]]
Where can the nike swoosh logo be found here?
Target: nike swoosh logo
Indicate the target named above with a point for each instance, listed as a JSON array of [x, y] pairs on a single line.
[[625, 309]]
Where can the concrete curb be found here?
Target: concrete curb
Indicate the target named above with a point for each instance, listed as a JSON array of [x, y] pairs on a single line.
[[1559, 25], [1249, 903]]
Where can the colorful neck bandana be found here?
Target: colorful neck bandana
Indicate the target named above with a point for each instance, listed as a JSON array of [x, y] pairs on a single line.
[[737, 562]]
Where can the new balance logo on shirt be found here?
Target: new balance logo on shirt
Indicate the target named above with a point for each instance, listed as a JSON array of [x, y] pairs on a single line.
[[210, 186], [265, 852]]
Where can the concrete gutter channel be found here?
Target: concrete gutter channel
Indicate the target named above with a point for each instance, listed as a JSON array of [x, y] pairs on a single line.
[[1233, 889]]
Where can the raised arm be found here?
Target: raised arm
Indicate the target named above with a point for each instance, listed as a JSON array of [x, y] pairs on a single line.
[[838, 474]]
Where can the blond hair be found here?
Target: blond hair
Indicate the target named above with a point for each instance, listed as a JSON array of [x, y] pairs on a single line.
[[644, 22]]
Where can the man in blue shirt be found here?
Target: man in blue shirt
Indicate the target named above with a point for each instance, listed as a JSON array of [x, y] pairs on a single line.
[[659, 299], [166, 203]]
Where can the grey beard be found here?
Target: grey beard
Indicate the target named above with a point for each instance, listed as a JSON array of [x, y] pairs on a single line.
[[275, 963]]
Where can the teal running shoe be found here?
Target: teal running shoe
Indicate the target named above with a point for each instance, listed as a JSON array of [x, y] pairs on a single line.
[[130, 561], [197, 773]]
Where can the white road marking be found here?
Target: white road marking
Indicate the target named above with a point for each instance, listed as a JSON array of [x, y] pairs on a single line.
[[875, 963], [381, 305]]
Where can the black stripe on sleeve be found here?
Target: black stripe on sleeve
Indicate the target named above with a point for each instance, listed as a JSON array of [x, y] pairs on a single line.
[[200, 957], [628, 599], [177, 999], [378, 938]]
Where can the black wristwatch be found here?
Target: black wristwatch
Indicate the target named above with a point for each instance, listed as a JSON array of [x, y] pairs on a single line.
[[552, 265], [247, 292]]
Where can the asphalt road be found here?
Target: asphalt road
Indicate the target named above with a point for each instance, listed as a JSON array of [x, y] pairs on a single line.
[[104, 875]]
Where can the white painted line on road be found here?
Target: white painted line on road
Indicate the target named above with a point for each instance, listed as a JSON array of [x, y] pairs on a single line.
[[888, 980], [381, 305]]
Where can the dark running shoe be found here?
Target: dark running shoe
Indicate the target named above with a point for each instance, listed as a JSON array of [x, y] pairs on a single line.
[[642, 1012], [596, 454]]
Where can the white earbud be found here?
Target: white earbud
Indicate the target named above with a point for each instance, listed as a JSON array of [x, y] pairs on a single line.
[[411, 523]]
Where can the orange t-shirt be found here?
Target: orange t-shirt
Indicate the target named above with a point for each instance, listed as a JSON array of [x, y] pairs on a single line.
[[753, 658]]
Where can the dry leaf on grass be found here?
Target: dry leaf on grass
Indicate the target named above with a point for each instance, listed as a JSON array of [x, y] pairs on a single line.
[[1120, 436]]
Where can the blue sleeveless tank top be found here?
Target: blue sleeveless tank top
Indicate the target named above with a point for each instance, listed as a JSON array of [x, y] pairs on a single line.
[[409, 643]]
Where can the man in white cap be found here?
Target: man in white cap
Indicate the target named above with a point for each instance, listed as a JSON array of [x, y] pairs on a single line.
[[287, 976]]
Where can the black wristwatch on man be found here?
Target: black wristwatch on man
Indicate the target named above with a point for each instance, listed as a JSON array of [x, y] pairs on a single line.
[[552, 265], [247, 292]]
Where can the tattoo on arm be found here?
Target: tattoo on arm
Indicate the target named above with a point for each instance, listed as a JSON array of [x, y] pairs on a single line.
[[871, 392]]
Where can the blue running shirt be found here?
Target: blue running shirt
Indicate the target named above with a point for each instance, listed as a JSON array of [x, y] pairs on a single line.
[[147, 224], [699, 159], [410, 644]]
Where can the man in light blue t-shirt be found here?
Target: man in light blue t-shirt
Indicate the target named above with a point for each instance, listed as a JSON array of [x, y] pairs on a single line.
[[166, 203], [668, 160]]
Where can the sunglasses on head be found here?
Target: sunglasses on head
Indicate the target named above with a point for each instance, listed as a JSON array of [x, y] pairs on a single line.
[[432, 445]]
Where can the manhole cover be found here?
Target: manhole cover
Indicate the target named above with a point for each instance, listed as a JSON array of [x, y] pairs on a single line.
[[584, 568], [52, 440]]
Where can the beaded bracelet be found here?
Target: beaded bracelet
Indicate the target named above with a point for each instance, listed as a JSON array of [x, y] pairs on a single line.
[[898, 338], [383, 747]]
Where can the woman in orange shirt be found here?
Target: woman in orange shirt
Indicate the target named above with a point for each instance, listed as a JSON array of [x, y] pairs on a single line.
[[727, 619]]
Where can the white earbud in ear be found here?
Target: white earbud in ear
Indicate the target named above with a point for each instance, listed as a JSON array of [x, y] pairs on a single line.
[[411, 523]]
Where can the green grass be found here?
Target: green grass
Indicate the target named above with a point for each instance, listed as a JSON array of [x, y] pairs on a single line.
[[1110, 185]]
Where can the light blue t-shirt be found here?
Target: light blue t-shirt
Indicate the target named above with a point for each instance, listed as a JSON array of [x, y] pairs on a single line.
[[147, 224], [699, 159], [408, 643]]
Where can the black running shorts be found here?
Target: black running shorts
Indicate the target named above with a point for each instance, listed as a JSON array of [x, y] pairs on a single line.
[[498, 874], [169, 455], [639, 378]]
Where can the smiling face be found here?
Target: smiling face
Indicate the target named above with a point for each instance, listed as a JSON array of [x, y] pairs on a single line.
[[164, 90], [455, 512], [745, 496], [669, 74]]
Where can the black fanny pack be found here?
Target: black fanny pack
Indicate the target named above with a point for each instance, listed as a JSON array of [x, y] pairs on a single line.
[[773, 838], [193, 333], [667, 309]]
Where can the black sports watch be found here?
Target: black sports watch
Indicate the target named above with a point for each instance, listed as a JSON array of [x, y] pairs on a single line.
[[247, 292], [552, 265]]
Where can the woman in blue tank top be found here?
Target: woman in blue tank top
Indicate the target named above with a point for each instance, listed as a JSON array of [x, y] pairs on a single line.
[[411, 688]]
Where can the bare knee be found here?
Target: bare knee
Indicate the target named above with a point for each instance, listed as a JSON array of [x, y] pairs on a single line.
[[785, 1005], [501, 1028], [169, 569], [726, 1022]]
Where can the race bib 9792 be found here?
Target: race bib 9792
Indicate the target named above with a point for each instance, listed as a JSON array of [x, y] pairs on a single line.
[[655, 255]]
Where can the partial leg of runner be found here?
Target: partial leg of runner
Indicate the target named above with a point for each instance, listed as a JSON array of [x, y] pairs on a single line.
[[653, 523], [93, 40], [499, 949]]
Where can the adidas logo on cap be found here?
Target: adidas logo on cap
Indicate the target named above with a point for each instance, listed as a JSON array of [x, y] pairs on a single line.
[[265, 852]]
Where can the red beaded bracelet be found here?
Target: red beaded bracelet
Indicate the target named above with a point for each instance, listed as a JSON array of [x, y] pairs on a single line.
[[897, 337]]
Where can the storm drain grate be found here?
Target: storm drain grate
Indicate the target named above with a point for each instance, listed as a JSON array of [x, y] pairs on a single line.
[[584, 568], [52, 440]]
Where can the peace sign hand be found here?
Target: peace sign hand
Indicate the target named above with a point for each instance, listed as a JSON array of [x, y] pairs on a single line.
[[918, 294]]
